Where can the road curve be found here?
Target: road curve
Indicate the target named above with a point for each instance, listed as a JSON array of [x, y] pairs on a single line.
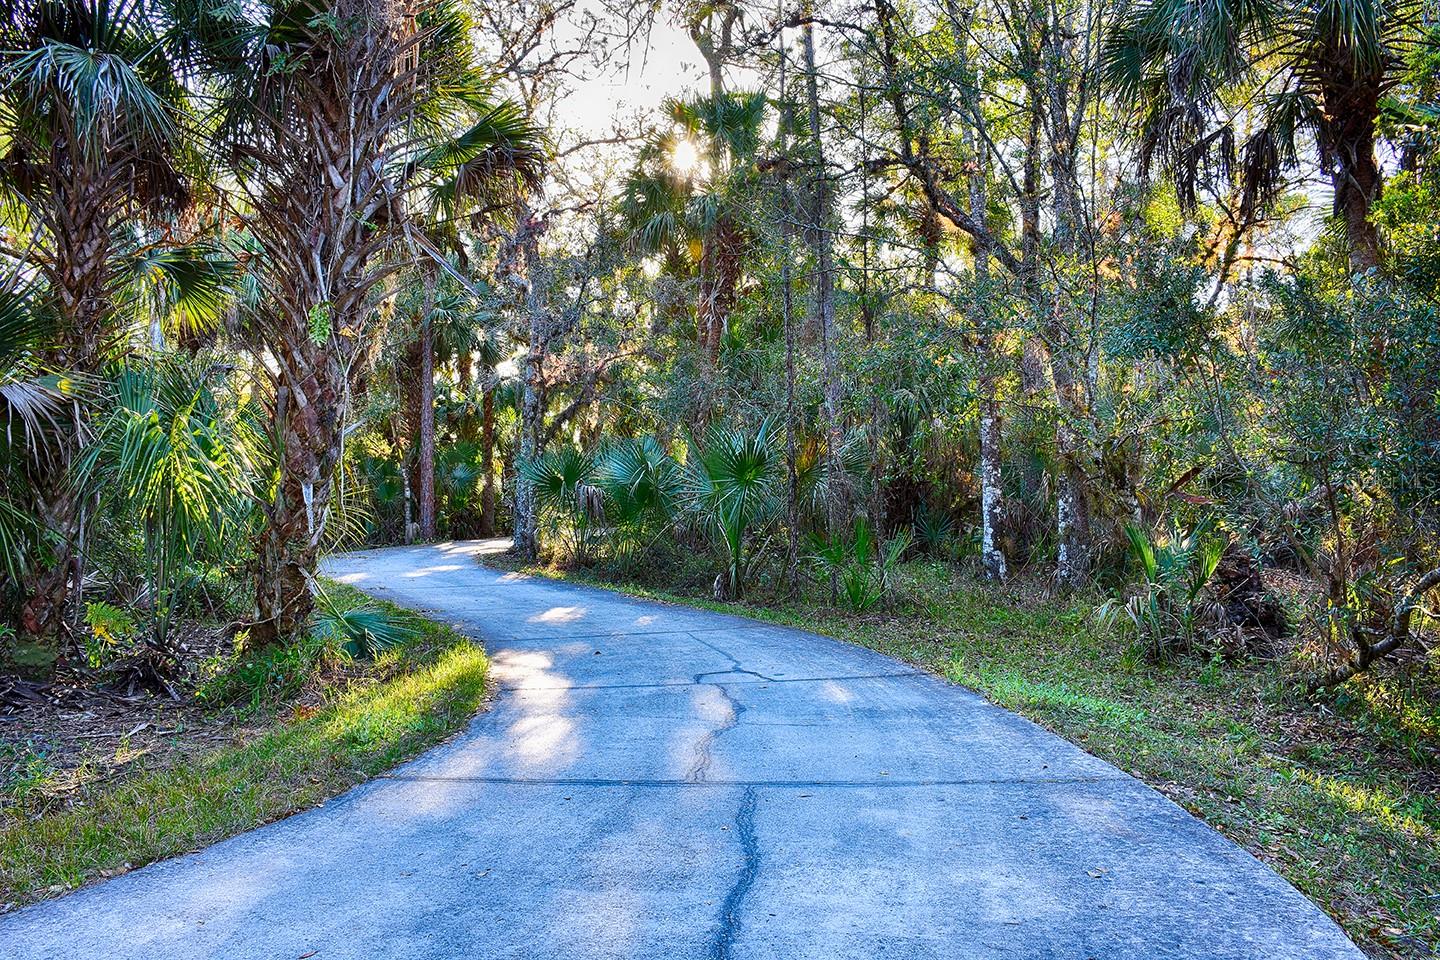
[[659, 782]]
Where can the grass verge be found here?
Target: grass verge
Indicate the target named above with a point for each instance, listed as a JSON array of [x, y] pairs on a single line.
[[347, 729], [1340, 793]]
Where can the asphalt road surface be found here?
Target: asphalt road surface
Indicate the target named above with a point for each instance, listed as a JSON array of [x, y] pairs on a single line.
[[657, 782]]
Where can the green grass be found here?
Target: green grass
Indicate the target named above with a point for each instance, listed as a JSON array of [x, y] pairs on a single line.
[[1337, 792], [402, 702]]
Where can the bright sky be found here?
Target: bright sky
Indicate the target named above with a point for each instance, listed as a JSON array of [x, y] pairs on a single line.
[[668, 65]]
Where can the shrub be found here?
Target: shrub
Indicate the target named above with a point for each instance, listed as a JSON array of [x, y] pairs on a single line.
[[734, 484], [1171, 604], [859, 567]]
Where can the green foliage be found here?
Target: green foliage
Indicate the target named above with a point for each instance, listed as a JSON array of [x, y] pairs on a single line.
[[860, 568], [935, 532], [458, 475], [643, 487], [564, 483], [175, 456], [502, 149], [360, 630], [1171, 604], [182, 289], [100, 77], [318, 323], [31, 407], [1352, 402], [677, 214], [1181, 65], [112, 631], [1409, 216], [352, 727], [253, 678], [733, 483], [344, 627]]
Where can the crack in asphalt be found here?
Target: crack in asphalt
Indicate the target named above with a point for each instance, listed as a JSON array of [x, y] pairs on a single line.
[[700, 677], [734, 660], [724, 939], [701, 767]]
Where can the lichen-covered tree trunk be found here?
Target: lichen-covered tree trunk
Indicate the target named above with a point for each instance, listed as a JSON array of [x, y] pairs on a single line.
[[527, 543], [532, 275], [991, 556], [426, 441], [1072, 522]]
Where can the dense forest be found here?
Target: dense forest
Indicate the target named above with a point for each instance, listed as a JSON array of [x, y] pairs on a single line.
[[1131, 301], [1140, 296]]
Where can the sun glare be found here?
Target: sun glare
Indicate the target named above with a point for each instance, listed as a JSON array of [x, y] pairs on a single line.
[[685, 157]]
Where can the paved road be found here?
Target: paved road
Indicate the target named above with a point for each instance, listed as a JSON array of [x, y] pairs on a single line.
[[657, 782]]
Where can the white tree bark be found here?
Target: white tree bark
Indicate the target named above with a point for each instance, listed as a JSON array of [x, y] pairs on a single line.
[[1072, 509], [991, 557]]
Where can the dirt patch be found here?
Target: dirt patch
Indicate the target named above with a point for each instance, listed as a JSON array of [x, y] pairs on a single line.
[[85, 726], [57, 738]]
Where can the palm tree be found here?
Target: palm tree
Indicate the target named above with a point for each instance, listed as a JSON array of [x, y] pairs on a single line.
[[1285, 67], [93, 123], [174, 456], [683, 203], [643, 487], [32, 407], [564, 483], [734, 484], [337, 121]]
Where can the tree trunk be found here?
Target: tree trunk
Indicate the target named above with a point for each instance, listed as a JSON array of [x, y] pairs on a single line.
[[487, 463], [824, 289], [1072, 522], [527, 544], [1034, 359], [325, 207], [408, 379], [426, 453], [787, 318], [407, 481], [526, 533], [1347, 146], [469, 521], [80, 278], [991, 557], [720, 266], [309, 405], [465, 383], [1072, 513], [48, 588]]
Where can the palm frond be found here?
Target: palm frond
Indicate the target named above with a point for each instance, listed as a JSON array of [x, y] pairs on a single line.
[[500, 155], [361, 631], [184, 288]]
